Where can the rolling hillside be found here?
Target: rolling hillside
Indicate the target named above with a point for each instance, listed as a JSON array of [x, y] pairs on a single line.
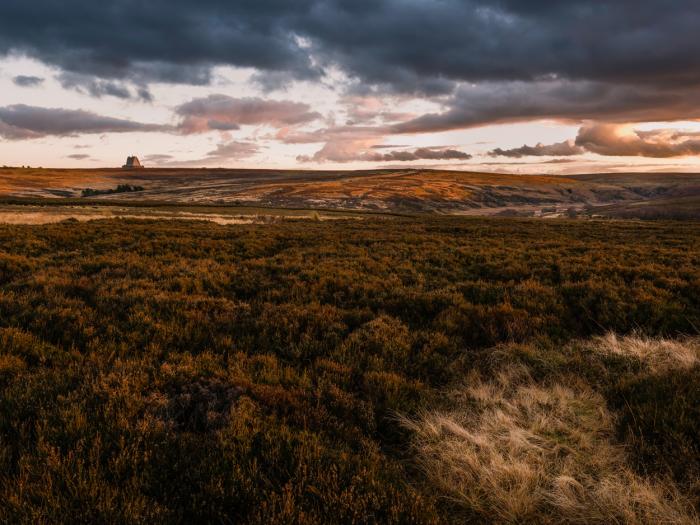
[[410, 190]]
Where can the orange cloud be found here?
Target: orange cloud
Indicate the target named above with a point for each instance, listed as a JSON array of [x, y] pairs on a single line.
[[624, 141]]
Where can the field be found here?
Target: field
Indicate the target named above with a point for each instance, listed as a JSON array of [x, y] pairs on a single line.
[[399, 190], [384, 370]]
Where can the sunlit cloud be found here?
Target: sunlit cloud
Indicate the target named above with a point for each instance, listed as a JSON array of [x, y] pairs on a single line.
[[223, 113], [625, 141]]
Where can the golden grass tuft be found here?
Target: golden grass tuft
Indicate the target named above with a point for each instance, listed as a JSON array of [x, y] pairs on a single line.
[[511, 450], [656, 353]]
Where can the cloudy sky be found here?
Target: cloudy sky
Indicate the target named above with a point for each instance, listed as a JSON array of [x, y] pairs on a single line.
[[497, 85]]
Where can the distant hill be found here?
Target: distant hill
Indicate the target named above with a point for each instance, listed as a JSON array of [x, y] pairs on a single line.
[[405, 190]]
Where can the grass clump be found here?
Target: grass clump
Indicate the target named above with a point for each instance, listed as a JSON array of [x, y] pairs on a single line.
[[656, 354], [516, 445]]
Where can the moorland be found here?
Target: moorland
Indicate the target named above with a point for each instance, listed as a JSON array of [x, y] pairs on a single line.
[[625, 195], [385, 369]]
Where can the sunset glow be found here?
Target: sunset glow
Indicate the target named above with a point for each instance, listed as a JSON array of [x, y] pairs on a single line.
[[476, 85]]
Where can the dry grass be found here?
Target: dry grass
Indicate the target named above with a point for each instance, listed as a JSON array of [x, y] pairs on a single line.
[[512, 450], [655, 353]]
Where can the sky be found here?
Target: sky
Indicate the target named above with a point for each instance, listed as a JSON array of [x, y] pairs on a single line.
[[540, 86]]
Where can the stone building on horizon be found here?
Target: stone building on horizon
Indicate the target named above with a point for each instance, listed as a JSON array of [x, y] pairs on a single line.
[[132, 162]]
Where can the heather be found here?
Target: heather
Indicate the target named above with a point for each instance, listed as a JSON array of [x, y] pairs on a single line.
[[174, 371]]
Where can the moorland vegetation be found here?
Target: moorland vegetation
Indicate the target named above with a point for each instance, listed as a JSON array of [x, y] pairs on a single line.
[[121, 188], [385, 370]]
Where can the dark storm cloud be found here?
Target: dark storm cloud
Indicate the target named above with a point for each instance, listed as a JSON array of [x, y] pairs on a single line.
[[400, 43], [27, 81], [92, 86], [501, 102], [164, 40], [559, 149], [485, 61], [21, 122], [406, 46], [98, 88]]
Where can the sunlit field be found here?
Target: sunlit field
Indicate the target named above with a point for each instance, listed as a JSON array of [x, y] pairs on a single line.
[[629, 195], [383, 370]]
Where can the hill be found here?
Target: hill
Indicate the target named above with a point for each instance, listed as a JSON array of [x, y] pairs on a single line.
[[407, 190]]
